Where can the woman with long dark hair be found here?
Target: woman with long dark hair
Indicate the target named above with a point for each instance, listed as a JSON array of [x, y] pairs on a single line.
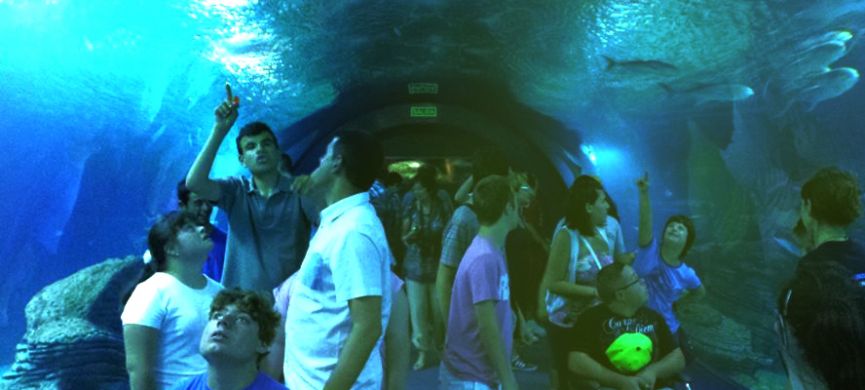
[[589, 240], [165, 315]]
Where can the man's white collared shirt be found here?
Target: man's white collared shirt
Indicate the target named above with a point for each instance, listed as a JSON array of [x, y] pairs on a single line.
[[348, 258]]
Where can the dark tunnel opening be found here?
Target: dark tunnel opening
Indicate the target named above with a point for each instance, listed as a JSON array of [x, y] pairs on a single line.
[[443, 119]]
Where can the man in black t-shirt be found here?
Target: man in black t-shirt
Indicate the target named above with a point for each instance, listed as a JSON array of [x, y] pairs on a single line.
[[621, 343], [830, 204]]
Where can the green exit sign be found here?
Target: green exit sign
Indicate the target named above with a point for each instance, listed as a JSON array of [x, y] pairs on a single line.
[[424, 111], [423, 88]]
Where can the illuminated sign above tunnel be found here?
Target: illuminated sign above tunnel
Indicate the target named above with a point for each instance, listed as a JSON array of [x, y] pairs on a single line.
[[425, 111], [423, 88]]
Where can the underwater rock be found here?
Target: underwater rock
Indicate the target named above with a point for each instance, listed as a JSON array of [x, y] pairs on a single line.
[[74, 336], [718, 339], [762, 380]]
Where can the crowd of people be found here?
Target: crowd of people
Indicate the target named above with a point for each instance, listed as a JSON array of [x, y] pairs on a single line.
[[327, 281]]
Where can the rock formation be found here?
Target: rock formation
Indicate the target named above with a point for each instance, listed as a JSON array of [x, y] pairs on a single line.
[[74, 338]]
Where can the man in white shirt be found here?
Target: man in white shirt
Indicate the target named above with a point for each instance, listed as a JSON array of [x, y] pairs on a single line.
[[340, 300]]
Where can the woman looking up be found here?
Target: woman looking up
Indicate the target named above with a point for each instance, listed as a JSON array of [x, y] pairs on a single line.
[[166, 314]]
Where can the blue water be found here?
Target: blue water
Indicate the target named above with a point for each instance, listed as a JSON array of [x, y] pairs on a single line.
[[105, 104]]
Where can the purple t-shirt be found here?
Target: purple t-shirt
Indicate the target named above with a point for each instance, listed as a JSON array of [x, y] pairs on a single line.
[[665, 283], [482, 276]]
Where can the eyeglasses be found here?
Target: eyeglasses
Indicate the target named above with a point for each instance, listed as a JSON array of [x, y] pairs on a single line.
[[231, 317], [625, 287]]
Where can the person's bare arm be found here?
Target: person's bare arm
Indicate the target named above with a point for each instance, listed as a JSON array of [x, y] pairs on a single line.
[[396, 342], [444, 288], [667, 367], [491, 339], [555, 276], [365, 313], [198, 179], [409, 230], [462, 194], [587, 368], [140, 344], [273, 361]]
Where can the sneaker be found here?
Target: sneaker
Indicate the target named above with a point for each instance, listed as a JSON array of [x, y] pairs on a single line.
[[518, 364]]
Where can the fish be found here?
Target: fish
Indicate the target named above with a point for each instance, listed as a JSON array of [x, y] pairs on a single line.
[[841, 36], [641, 66], [828, 85], [814, 61], [706, 93]]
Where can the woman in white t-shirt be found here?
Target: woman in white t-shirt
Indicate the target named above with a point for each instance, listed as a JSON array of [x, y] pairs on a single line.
[[165, 315]]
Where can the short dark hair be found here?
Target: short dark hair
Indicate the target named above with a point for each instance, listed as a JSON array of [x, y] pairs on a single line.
[[426, 177], [163, 232], [251, 129], [391, 179], [825, 308], [488, 161], [362, 157], [583, 192], [607, 278], [689, 225], [834, 196], [491, 196], [182, 192], [257, 306]]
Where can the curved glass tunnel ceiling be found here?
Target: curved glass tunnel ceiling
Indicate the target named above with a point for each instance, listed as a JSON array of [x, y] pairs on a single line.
[[729, 106]]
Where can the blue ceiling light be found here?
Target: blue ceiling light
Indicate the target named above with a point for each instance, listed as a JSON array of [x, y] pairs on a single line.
[[589, 151]]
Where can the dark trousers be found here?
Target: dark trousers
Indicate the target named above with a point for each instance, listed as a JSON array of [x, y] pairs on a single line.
[[559, 349]]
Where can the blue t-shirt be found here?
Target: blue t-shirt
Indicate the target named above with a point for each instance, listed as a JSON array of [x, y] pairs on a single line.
[[261, 382], [665, 283]]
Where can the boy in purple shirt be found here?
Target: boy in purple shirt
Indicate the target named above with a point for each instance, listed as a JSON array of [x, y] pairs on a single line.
[[480, 325]]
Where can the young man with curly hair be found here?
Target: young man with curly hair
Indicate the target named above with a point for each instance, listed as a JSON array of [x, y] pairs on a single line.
[[237, 337]]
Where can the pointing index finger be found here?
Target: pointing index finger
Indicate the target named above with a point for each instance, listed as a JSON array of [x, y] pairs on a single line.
[[228, 91]]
